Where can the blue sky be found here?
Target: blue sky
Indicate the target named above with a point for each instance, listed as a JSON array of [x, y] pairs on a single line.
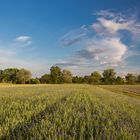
[[80, 35]]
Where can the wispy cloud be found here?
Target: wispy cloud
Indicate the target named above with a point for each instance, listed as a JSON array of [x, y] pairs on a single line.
[[24, 40], [74, 36]]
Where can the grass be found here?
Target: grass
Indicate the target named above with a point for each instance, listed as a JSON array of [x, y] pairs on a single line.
[[70, 112]]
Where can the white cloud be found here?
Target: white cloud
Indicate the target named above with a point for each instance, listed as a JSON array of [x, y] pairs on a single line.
[[112, 26], [109, 51], [24, 40], [116, 24]]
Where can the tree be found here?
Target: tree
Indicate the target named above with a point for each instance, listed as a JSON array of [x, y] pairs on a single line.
[[56, 74], [87, 79], [33, 81], [78, 80], [130, 78], [81, 79], [10, 75], [46, 78], [66, 76], [95, 78], [75, 79], [109, 76], [119, 80], [23, 76]]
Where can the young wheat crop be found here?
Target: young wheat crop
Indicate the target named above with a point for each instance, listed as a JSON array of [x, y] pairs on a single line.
[[67, 112]]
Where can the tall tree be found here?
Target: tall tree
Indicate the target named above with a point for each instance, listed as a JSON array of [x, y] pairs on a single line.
[[10, 75], [23, 76], [95, 78], [109, 76], [56, 74], [66, 76]]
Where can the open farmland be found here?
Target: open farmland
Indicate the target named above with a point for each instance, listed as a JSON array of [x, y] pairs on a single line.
[[82, 112]]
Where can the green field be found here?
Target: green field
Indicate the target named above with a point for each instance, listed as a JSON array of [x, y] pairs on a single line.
[[81, 112]]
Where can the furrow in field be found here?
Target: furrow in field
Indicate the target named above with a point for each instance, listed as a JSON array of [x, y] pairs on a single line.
[[17, 112], [115, 118], [66, 119], [22, 129]]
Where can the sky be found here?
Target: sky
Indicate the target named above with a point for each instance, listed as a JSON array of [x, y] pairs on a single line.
[[80, 35]]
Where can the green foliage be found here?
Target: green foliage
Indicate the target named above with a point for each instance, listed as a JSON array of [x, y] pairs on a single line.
[[119, 80], [56, 74], [10, 75], [33, 81], [130, 78], [95, 78], [75, 79], [87, 79], [66, 76], [46, 78], [14, 75], [23, 76], [78, 80], [109, 76]]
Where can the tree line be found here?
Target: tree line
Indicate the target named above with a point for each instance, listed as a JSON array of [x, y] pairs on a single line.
[[58, 76]]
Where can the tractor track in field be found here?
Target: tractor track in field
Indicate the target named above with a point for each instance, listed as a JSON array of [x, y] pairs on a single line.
[[23, 129]]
